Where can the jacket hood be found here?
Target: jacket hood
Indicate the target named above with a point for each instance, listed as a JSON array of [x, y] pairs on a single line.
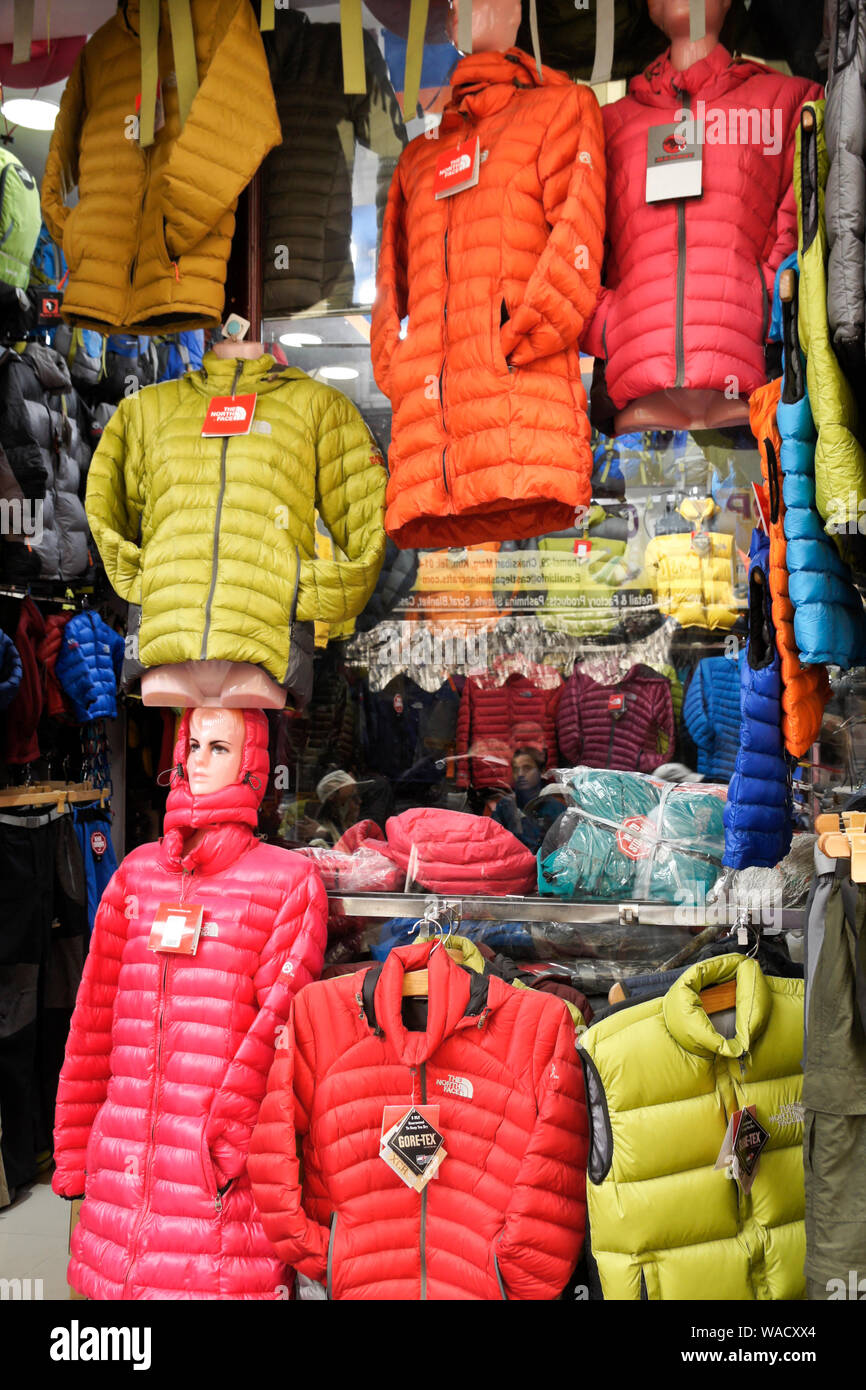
[[234, 806], [661, 85], [459, 997], [689, 1023], [219, 376], [483, 83], [52, 371]]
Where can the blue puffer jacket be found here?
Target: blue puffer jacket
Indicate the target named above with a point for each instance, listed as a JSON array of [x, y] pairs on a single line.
[[758, 815], [712, 715], [10, 670], [88, 667]]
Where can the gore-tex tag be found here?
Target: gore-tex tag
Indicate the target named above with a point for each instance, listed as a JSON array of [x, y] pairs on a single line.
[[176, 928], [411, 1143], [229, 415], [616, 702], [741, 1149], [673, 162], [582, 548], [457, 169]]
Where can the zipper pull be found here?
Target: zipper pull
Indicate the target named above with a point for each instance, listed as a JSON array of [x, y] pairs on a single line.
[[482, 1020], [218, 1202], [742, 1061]]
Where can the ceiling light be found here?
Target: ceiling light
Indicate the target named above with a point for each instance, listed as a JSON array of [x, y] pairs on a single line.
[[299, 339], [30, 112], [338, 373]]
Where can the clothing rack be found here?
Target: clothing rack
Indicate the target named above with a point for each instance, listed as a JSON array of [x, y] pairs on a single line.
[[59, 794]]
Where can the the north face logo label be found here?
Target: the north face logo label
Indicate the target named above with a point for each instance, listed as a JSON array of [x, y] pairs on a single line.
[[457, 1086], [229, 412], [792, 1113]]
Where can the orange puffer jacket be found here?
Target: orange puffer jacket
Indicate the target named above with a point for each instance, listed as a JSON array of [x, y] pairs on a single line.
[[490, 437], [805, 689]]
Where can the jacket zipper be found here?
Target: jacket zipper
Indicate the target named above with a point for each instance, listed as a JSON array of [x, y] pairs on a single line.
[[330, 1269], [444, 354], [3, 178], [216, 534], [679, 347], [149, 1170], [610, 742], [424, 1199]]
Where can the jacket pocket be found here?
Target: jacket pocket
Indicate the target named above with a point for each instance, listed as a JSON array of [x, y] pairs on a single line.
[[501, 317], [95, 1134], [207, 1167], [329, 1276], [71, 249]]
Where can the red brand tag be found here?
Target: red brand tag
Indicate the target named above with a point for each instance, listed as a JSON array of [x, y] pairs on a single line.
[[635, 837], [176, 929], [582, 549], [98, 843], [457, 169], [615, 701], [229, 415], [398, 704]]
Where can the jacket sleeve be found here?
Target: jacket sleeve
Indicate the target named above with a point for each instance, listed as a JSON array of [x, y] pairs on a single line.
[[83, 1084], [61, 166], [291, 959], [696, 714], [544, 1223], [568, 731], [350, 496], [231, 126], [273, 1163], [114, 500], [464, 733], [392, 296], [662, 732], [561, 292]]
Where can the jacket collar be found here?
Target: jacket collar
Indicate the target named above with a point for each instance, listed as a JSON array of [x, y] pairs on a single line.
[[224, 376], [459, 997], [484, 83], [661, 84], [692, 1027]]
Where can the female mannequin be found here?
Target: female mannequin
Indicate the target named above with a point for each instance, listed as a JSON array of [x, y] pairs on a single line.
[[168, 1053], [494, 24]]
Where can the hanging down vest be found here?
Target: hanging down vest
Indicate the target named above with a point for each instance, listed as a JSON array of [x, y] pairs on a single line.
[[662, 1084]]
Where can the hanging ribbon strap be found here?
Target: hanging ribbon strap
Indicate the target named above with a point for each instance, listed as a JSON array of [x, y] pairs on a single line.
[[414, 57], [22, 33], [533, 29], [697, 20], [268, 19], [352, 39], [149, 29], [183, 47], [464, 26], [602, 64]]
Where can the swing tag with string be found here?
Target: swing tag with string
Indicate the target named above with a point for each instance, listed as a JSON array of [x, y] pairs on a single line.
[[412, 1144], [176, 927]]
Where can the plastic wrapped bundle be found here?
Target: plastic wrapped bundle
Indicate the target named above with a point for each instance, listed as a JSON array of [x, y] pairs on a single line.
[[629, 835]]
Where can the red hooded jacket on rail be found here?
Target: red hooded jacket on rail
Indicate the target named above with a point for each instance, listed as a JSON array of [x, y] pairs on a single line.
[[505, 1216], [168, 1055]]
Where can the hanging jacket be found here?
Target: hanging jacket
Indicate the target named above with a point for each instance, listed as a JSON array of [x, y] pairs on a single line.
[[758, 814], [495, 718], [88, 666], [45, 432], [693, 575], [628, 725], [307, 180], [844, 131], [395, 716], [25, 709], [147, 243], [490, 437], [168, 1055], [225, 560], [458, 853], [829, 623], [20, 220], [805, 689], [840, 460], [712, 715], [396, 581], [666, 1223], [584, 571], [505, 1218], [688, 281], [56, 704], [10, 671]]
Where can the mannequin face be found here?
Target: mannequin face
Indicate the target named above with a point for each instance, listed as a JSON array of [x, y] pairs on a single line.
[[672, 16], [494, 24], [216, 745]]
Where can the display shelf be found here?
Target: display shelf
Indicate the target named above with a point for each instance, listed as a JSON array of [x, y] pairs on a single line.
[[537, 909]]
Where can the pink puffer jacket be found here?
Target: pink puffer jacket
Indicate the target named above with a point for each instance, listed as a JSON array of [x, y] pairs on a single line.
[[459, 853], [168, 1055], [689, 282]]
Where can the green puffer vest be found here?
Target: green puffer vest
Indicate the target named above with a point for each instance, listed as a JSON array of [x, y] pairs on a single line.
[[840, 463], [20, 220], [215, 537], [662, 1084]]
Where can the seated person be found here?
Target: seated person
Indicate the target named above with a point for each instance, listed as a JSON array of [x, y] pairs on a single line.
[[525, 810]]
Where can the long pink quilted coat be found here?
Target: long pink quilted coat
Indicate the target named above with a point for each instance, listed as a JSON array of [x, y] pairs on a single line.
[[168, 1055], [689, 282]]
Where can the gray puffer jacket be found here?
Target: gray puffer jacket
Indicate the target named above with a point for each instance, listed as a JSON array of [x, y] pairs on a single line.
[[845, 135], [45, 432]]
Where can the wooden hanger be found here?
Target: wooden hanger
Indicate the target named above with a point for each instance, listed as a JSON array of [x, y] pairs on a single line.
[[416, 983], [59, 794], [719, 997], [842, 835]]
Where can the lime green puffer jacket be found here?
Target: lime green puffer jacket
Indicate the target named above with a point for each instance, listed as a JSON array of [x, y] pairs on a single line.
[[661, 1084], [840, 463], [215, 538]]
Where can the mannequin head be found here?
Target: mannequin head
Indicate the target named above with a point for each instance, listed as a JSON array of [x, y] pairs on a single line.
[[672, 17], [494, 24], [216, 745]]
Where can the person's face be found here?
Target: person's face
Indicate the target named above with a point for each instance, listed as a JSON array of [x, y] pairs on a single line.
[[347, 805], [216, 745], [525, 771]]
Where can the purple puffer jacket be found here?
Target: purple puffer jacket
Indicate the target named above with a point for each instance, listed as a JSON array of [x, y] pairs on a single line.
[[629, 726]]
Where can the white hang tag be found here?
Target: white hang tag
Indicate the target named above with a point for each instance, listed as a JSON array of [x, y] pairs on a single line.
[[674, 162]]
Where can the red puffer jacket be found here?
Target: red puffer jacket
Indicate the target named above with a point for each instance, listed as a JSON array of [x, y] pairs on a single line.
[[168, 1055], [629, 725], [496, 718], [505, 1216], [459, 853], [689, 282]]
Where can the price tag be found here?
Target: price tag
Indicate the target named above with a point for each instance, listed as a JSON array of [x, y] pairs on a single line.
[[745, 1139], [229, 415], [457, 169], [176, 928], [411, 1143], [673, 163]]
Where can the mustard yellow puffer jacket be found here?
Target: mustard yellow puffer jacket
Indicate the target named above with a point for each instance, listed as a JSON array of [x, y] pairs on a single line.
[[148, 241], [662, 1082], [226, 561]]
